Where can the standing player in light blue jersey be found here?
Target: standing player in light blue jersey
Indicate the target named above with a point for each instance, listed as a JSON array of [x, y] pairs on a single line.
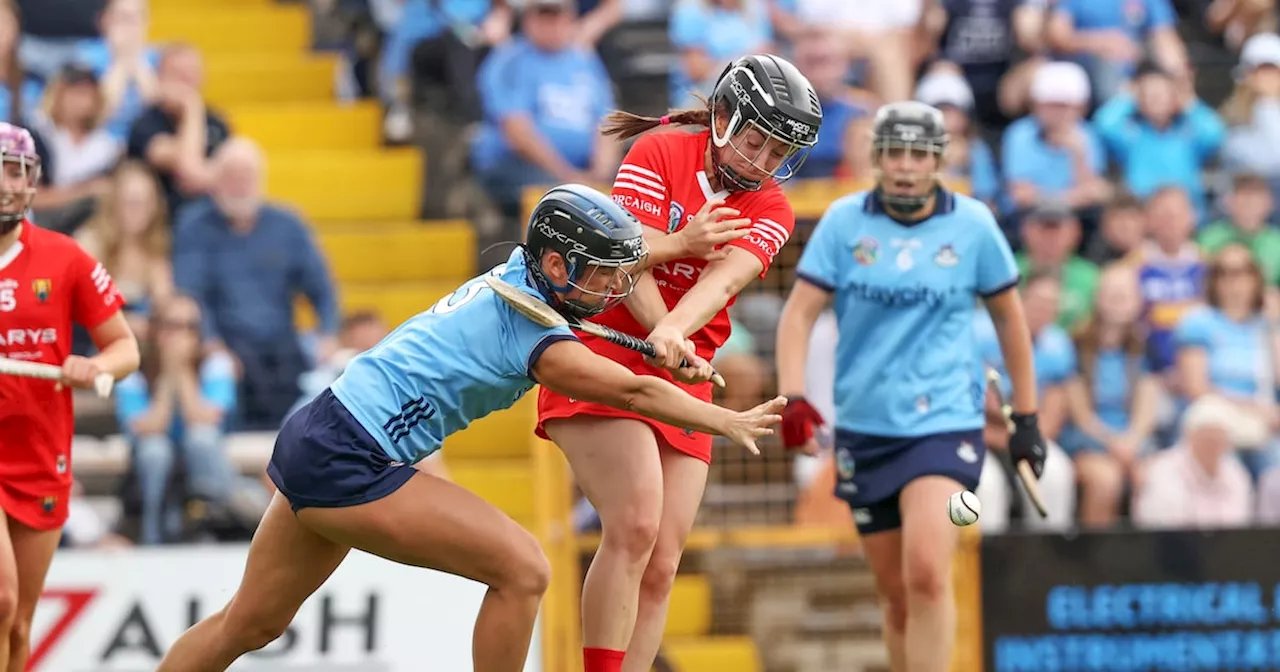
[[343, 462], [905, 264]]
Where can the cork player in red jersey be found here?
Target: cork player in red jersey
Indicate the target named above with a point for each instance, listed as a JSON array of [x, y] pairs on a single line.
[[714, 218], [47, 282]]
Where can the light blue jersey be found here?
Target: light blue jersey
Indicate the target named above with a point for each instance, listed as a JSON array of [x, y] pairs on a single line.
[[906, 361], [467, 356], [1052, 352]]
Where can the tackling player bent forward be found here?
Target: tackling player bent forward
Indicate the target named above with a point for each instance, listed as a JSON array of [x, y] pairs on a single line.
[[904, 264], [47, 282], [343, 463]]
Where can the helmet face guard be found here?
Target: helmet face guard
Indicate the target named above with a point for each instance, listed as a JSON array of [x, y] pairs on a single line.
[[770, 106], [915, 130], [21, 175], [594, 235]]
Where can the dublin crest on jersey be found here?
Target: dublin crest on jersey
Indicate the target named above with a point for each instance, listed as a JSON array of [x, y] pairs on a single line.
[[676, 216], [946, 257], [42, 287]]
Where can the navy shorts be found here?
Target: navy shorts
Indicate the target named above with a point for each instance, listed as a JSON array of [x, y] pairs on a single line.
[[871, 471], [324, 458]]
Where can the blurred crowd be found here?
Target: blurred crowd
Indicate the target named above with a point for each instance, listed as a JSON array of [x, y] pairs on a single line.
[[1141, 205]]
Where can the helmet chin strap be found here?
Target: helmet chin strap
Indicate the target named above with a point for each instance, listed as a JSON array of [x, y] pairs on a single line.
[[908, 206]]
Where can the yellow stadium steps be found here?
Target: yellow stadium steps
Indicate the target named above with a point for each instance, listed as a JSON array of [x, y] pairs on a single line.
[[690, 611], [244, 28], [170, 5], [349, 185], [713, 654], [443, 251], [502, 435], [394, 303], [506, 484], [310, 125], [233, 80]]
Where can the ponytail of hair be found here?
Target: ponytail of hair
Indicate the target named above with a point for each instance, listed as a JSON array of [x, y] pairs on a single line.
[[625, 125]]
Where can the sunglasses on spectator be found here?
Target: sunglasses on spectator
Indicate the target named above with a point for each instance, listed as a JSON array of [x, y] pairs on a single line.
[[1227, 271]]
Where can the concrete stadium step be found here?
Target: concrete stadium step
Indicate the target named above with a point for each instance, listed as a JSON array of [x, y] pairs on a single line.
[[713, 654], [690, 611], [506, 484], [310, 125], [430, 251], [502, 435], [385, 184], [214, 28], [232, 80], [394, 302]]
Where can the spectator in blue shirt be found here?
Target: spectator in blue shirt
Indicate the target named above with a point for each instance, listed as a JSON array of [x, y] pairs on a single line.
[[123, 63], [1110, 36], [1252, 112], [175, 406], [1160, 134], [1054, 153], [710, 34], [543, 99], [1226, 348], [969, 158], [244, 261], [821, 58]]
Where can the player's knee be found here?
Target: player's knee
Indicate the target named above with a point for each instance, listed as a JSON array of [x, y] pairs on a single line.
[[247, 630], [19, 634], [529, 570], [8, 605], [633, 531], [926, 576], [659, 576]]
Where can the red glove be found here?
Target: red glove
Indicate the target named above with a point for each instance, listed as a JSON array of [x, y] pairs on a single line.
[[799, 418]]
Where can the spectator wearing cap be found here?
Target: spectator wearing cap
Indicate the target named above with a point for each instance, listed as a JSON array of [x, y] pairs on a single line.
[[80, 151], [177, 135], [123, 62], [821, 59], [1252, 112], [1160, 134], [1053, 152], [968, 158], [1198, 483], [710, 34], [1050, 235], [544, 98], [983, 38], [1247, 209], [1110, 36]]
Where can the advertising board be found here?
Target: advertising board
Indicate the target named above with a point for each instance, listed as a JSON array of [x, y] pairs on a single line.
[[120, 611]]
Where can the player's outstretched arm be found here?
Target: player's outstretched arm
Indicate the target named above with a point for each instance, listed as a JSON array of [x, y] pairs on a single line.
[[804, 305], [571, 369]]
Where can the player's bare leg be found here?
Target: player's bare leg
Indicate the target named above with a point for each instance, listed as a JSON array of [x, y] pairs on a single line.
[[32, 554], [617, 465], [8, 587], [929, 542], [287, 563], [684, 479], [433, 523], [884, 554]]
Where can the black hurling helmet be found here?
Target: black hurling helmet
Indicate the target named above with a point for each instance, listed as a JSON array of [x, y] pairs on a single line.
[[770, 94], [590, 231], [907, 126]]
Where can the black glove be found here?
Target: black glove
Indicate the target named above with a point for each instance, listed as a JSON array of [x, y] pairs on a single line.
[[1026, 443]]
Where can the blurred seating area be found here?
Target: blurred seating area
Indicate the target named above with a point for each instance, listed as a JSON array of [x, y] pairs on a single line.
[[274, 184]]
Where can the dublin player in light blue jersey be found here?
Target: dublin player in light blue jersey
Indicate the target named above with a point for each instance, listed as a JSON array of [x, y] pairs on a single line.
[[905, 265], [343, 464]]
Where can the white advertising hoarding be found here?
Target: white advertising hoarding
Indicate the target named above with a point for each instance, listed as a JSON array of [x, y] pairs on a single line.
[[119, 611]]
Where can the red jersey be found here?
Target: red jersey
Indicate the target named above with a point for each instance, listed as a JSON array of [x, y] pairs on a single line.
[[663, 182], [46, 282]]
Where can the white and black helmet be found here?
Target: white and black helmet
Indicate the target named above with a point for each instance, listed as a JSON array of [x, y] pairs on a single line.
[[769, 93]]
